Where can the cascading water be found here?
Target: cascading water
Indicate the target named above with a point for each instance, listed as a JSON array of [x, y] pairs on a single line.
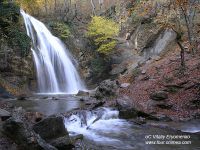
[[55, 70]]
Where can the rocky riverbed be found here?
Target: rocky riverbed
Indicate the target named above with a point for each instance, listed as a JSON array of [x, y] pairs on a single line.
[[84, 122]]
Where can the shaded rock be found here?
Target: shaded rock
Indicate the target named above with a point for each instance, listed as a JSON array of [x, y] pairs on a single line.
[[23, 136], [98, 104], [196, 115], [162, 117], [51, 128], [196, 103], [127, 110], [55, 98], [107, 88], [4, 93], [151, 104], [82, 93], [118, 69], [22, 97], [92, 92], [159, 43], [34, 116], [140, 120], [172, 88], [145, 78], [4, 114], [62, 143], [125, 85], [159, 96], [75, 138]]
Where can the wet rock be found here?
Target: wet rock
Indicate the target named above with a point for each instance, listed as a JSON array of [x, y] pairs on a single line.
[[125, 85], [55, 98], [107, 88], [126, 109], [62, 143], [159, 96], [162, 117], [140, 120], [34, 116], [75, 138], [196, 115], [23, 136], [51, 128], [22, 97], [98, 104], [82, 93], [4, 114]]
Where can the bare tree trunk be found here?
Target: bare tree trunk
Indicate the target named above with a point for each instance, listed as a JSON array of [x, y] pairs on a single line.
[[189, 20], [182, 54], [93, 7], [45, 6], [55, 5]]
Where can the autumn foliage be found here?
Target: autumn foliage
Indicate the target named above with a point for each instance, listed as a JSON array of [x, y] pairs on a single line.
[[103, 31]]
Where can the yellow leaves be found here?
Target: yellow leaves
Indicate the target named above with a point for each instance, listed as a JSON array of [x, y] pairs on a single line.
[[102, 26], [107, 48], [30, 5], [103, 31]]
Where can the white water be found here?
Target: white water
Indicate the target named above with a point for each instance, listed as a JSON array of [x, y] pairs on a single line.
[[107, 130], [55, 71]]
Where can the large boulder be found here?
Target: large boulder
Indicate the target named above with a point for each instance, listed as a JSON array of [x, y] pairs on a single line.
[[159, 96], [23, 136], [82, 93], [159, 43], [107, 88], [128, 110], [152, 104], [4, 114], [62, 143], [118, 69], [51, 128]]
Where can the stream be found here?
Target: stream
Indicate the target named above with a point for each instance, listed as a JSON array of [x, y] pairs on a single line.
[[104, 130]]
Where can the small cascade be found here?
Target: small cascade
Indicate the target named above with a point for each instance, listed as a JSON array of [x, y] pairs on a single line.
[[101, 126], [56, 72]]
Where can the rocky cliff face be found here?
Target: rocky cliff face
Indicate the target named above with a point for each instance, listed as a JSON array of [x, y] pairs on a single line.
[[16, 73], [16, 67]]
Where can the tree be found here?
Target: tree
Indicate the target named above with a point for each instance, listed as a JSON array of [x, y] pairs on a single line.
[[103, 31], [188, 9]]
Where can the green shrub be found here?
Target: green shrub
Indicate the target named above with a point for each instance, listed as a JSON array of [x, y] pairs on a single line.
[[10, 27], [60, 29], [18, 38], [103, 31]]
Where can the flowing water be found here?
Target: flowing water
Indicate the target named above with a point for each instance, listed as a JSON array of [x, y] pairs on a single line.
[[103, 130], [56, 72]]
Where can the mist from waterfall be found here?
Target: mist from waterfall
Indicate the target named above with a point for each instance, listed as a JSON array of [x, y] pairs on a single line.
[[55, 70]]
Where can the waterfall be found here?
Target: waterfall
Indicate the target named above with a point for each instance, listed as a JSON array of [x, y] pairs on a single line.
[[56, 72]]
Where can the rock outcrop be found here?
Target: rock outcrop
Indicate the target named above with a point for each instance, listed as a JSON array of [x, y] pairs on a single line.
[[107, 88]]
